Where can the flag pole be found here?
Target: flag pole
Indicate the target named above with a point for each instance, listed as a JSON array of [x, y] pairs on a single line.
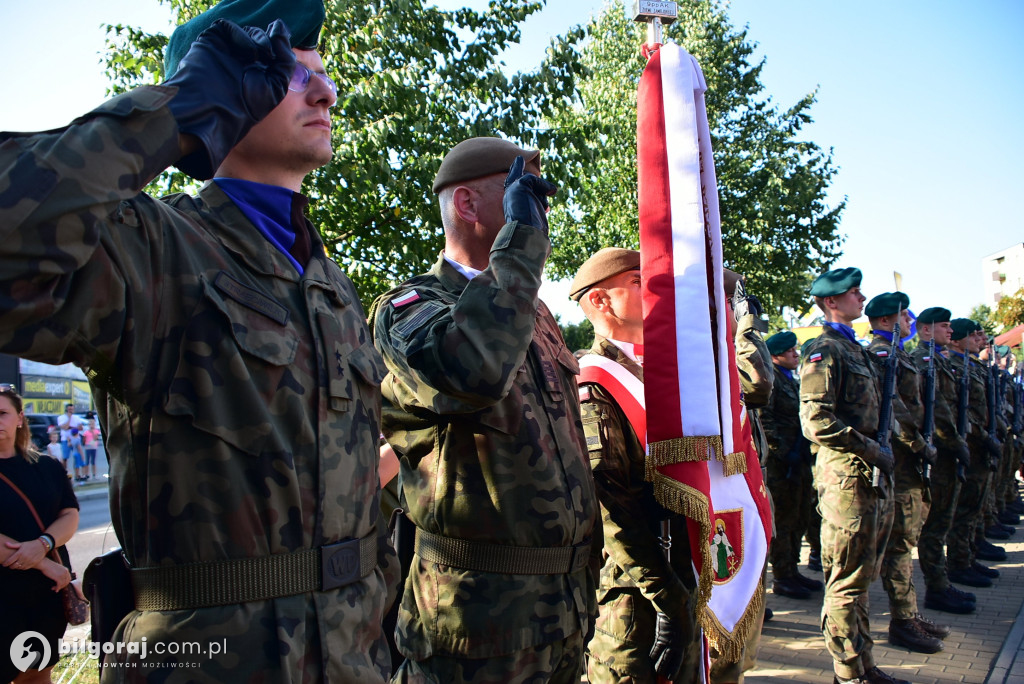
[[656, 13]]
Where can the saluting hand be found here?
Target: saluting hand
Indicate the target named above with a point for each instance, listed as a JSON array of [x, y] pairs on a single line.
[[526, 197]]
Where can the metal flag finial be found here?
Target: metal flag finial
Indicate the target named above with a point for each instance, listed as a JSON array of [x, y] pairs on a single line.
[[656, 13]]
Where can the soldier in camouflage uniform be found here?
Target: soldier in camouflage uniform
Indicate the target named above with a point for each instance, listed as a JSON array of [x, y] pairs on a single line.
[[953, 455], [643, 595], [963, 547], [788, 469], [481, 406], [235, 378], [840, 396], [911, 499]]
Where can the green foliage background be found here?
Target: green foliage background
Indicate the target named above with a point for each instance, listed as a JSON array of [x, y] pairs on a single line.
[[414, 80]]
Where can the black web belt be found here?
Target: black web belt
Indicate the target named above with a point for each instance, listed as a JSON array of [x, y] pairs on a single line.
[[242, 580], [499, 558]]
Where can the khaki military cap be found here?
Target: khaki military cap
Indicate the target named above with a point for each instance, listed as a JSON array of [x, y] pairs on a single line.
[[604, 264], [479, 157]]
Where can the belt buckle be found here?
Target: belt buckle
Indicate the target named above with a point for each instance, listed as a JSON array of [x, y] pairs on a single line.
[[580, 557], [339, 564]]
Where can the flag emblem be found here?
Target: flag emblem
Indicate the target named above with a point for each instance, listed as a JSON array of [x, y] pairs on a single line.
[[727, 545], [407, 298], [815, 357]]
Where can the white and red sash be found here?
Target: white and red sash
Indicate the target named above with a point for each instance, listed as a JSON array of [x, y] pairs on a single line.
[[626, 389]]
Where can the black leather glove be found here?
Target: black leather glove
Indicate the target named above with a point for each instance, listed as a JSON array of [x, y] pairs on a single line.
[[526, 197], [229, 80], [743, 304], [930, 454], [671, 636], [884, 461]]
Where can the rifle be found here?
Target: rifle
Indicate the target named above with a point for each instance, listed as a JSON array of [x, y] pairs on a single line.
[[991, 387], [928, 429], [884, 436], [963, 397]]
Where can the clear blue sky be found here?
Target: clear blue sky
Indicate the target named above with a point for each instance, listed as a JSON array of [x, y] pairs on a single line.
[[921, 102]]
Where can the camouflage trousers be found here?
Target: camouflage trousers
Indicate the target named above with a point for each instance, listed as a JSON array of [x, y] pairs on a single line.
[[621, 647], [792, 518], [945, 492], [813, 533], [560, 662], [969, 510], [1008, 480], [855, 525], [911, 503]]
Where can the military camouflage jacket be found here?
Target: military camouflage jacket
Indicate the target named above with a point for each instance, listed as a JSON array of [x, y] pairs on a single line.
[[240, 400], [781, 418], [945, 437], [840, 395], [978, 404], [481, 406], [630, 515], [754, 363], [907, 407]]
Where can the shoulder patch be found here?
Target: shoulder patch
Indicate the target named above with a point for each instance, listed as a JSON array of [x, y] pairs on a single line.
[[585, 393], [404, 331], [814, 358], [882, 352], [408, 298]]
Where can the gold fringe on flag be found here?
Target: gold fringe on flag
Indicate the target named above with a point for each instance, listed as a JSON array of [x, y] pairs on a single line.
[[734, 463], [692, 503], [681, 450], [730, 645]]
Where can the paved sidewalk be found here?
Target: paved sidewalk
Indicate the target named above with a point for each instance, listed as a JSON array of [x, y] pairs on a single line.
[[986, 647]]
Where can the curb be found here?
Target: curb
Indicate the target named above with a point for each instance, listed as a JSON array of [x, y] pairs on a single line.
[[90, 493], [1007, 656]]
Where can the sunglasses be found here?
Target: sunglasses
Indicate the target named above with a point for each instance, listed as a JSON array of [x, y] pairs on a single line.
[[8, 388], [302, 75]]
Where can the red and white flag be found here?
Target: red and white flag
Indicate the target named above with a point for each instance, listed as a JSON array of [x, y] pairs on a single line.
[[701, 457]]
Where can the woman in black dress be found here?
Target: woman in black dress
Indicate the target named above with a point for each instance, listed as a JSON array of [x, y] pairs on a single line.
[[29, 579]]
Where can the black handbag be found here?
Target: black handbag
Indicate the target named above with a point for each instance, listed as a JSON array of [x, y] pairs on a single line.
[[76, 608], [107, 583]]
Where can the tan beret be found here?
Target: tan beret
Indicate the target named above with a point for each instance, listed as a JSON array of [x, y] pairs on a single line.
[[730, 278], [479, 157], [604, 264]]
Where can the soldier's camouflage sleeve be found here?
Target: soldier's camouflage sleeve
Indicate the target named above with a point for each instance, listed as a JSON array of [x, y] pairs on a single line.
[[754, 363], [630, 515], [781, 418], [839, 397], [240, 401], [906, 404], [481, 405], [946, 436], [978, 400]]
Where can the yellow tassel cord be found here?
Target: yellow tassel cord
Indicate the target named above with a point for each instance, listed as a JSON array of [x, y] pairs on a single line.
[[681, 450], [729, 645], [690, 502], [734, 463]]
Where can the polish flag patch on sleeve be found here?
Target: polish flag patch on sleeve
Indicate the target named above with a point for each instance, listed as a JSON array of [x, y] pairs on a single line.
[[813, 358], [408, 298], [882, 352]]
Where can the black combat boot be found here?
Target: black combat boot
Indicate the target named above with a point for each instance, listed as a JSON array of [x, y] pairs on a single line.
[[876, 676], [997, 532], [948, 602], [969, 577], [990, 552], [814, 561], [931, 628], [908, 634], [809, 583], [1008, 517], [791, 587], [961, 594], [984, 570]]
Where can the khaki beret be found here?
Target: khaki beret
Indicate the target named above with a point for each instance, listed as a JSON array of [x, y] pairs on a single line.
[[604, 264], [729, 280], [836, 282], [479, 157]]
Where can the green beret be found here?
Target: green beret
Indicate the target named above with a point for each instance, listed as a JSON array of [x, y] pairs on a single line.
[[479, 157], [887, 304], [304, 19], [935, 314], [836, 282], [962, 327], [1002, 349], [604, 264], [781, 342]]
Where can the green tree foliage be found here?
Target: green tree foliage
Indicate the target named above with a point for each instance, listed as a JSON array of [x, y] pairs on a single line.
[[413, 81], [982, 315], [777, 228], [1010, 312], [577, 335]]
